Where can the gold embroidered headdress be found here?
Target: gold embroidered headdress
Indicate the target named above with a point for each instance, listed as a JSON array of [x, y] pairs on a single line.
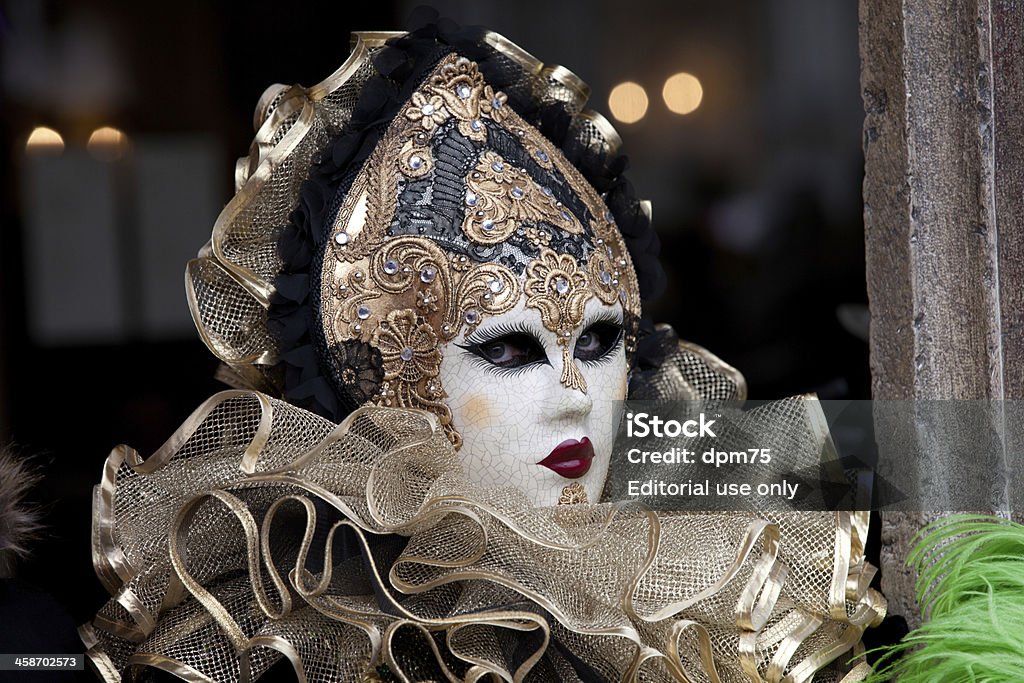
[[434, 204]]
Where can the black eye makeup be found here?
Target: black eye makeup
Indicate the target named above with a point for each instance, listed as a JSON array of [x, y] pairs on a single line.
[[599, 341], [508, 347]]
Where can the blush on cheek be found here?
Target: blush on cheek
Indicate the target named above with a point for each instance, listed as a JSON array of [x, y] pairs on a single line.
[[476, 411]]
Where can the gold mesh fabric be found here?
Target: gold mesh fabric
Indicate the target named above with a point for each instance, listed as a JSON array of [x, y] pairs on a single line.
[[261, 531]]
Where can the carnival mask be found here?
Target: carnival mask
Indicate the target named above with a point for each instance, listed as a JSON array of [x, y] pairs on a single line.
[[465, 267]]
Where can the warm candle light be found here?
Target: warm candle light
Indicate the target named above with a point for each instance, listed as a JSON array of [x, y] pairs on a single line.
[[628, 102], [682, 93], [107, 143], [43, 140]]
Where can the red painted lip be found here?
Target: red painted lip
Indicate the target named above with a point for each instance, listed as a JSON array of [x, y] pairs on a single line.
[[571, 458]]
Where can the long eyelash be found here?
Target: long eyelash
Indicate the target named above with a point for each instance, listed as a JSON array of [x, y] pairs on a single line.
[[504, 372], [607, 317], [500, 330]]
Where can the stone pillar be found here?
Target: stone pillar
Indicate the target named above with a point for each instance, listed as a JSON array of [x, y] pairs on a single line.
[[943, 90]]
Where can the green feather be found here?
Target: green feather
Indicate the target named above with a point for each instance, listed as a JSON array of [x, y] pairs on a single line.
[[970, 587]]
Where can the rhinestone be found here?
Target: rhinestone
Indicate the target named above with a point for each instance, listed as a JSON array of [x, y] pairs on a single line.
[[622, 262], [421, 137], [391, 266], [470, 199], [471, 317], [476, 125], [496, 285], [341, 238], [567, 333], [542, 155], [547, 191], [462, 259], [446, 327], [406, 354], [415, 162], [609, 217], [357, 327], [427, 109], [428, 274], [358, 275], [561, 285], [606, 277], [622, 295], [363, 312], [517, 192], [599, 241], [498, 167], [497, 103], [615, 282], [342, 288], [463, 91], [566, 215], [487, 225], [487, 297], [479, 213]]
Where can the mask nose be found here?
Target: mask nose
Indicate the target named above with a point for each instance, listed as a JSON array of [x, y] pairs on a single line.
[[575, 403], [569, 403]]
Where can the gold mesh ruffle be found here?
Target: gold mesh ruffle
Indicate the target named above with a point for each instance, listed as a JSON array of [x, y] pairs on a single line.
[[261, 531]]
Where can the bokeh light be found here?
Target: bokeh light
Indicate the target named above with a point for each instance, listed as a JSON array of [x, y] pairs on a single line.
[[107, 143], [43, 140], [682, 93], [628, 102]]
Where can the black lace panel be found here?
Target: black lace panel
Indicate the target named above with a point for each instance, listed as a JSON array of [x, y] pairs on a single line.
[[434, 206]]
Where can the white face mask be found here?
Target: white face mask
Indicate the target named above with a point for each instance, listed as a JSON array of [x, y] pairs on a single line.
[[513, 412]]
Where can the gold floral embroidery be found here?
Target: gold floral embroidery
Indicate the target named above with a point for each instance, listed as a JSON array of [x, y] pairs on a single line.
[[501, 199], [539, 236], [493, 103], [356, 313], [428, 110], [411, 355], [460, 85], [408, 346], [417, 264], [414, 160], [559, 290], [604, 276], [573, 494]]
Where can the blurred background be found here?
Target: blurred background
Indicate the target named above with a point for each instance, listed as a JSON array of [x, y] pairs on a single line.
[[121, 123]]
